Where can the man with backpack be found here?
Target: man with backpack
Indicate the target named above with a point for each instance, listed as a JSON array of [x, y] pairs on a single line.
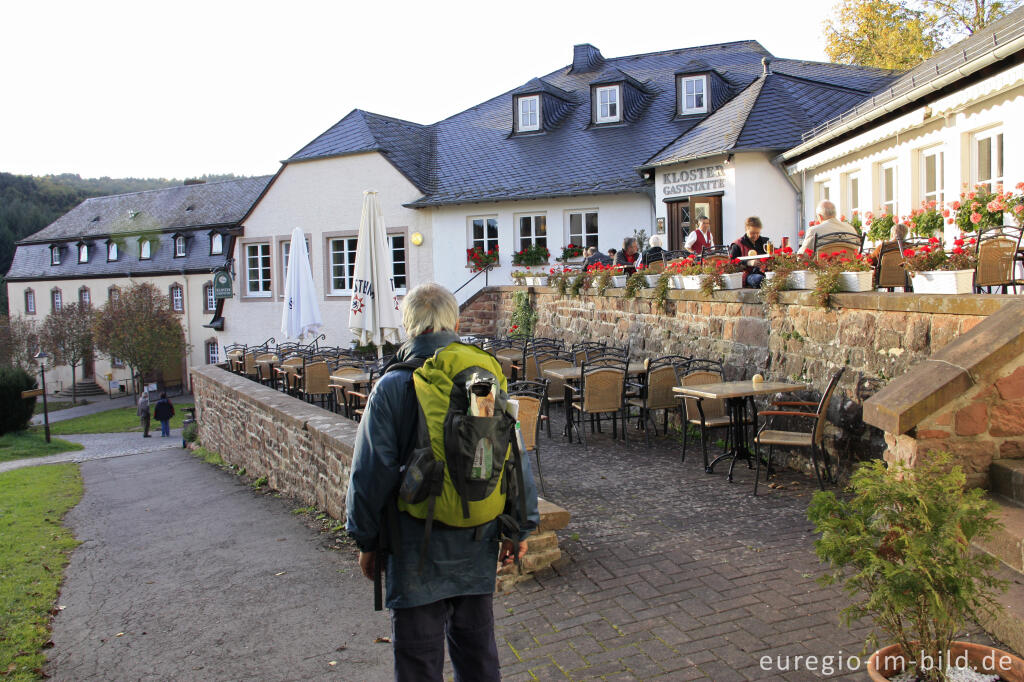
[[439, 493]]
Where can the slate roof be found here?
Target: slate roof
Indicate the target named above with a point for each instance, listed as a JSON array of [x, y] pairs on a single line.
[[190, 209], [474, 156], [954, 57]]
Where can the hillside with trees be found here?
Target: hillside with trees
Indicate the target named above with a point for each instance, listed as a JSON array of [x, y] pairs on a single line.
[[30, 203]]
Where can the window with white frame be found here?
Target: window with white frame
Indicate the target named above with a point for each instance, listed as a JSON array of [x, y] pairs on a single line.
[[216, 244], [209, 299], [30, 302], [987, 159], [528, 113], [853, 196], [177, 298], [83, 253], [145, 249], [111, 251], [179, 246], [693, 95], [257, 269], [212, 353], [113, 294], [887, 187], [533, 231], [483, 233], [56, 300], [583, 228], [932, 161], [606, 105], [398, 262], [823, 190], [54, 255], [84, 297], [116, 362], [343, 264]]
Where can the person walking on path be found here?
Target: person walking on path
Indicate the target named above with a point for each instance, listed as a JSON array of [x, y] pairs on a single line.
[[162, 412], [143, 412], [440, 578]]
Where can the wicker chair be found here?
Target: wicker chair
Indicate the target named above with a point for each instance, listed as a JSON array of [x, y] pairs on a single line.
[[797, 439], [555, 387], [532, 399], [582, 349], [316, 382], [287, 373], [249, 365], [509, 355], [997, 258], [356, 404], [707, 414], [264, 368], [889, 271], [338, 391], [601, 394], [655, 391]]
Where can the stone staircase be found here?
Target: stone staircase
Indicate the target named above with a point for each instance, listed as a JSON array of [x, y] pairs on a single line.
[[83, 389], [1006, 479]]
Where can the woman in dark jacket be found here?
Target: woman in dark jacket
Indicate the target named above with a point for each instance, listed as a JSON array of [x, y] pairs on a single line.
[[749, 244], [163, 411]]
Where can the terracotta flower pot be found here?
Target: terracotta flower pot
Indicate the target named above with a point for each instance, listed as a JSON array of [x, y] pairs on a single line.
[[885, 662]]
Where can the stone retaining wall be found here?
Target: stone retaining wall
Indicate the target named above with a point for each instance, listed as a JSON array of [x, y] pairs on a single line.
[[876, 336]]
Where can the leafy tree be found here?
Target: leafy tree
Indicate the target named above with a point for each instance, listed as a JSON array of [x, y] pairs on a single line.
[[19, 340], [140, 328], [67, 335], [15, 411], [956, 19], [882, 33]]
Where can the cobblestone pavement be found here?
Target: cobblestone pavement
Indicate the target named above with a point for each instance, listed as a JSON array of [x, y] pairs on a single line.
[[102, 446], [671, 573]]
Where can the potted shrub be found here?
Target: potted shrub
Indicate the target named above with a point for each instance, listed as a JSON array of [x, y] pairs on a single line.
[[721, 274], [855, 273], [619, 277], [558, 279], [798, 271], [926, 221], [651, 280], [519, 276], [879, 228], [933, 271], [571, 253], [531, 256], [600, 277], [680, 270], [477, 259], [981, 209], [901, 547]]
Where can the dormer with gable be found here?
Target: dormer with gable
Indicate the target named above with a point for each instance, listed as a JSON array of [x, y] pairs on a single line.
[[700, 90], [539, 106], [618, 97]]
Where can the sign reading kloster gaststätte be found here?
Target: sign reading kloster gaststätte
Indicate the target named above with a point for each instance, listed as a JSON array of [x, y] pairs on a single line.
[[694, 181]]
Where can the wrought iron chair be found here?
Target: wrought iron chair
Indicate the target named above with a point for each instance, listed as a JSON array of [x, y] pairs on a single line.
[[532, 398], [837, 242], [601, 394], [797, 439], [997, 258], [714, 254]]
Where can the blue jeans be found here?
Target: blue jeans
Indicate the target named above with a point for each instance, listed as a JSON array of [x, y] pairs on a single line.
[[754, 280], [165, 427], [418, 635]]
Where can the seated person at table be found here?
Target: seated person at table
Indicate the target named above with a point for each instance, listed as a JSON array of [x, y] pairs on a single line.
[[654, 252], [897, 233], [749, 244], [611, 254], [628, 254], [701, 237], [595, 256], [828, 224]]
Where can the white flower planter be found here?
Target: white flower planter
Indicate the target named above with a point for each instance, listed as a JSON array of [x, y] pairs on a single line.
[[802, 279], [943, 281], [733, 280], [691, 282], [675, 282], [536, 281], [856, 281], [619, 281], [652, 280]]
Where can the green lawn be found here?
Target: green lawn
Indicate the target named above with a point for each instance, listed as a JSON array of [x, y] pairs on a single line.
[[118, 420], [55, 405], [32, 443], [34, 549]]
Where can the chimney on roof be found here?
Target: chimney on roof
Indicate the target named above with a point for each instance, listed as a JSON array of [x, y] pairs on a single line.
[[194, 181], [585, 58], [766, 64]]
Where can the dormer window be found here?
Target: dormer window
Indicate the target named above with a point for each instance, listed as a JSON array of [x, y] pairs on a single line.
[[111, 251], [216, 244], [179, 246], [607, 108], [83, 253], [693, 95], [55, 254], [528, 114], [145, 249]]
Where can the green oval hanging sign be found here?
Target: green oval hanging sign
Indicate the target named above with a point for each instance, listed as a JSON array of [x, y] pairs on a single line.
[[222, 284]]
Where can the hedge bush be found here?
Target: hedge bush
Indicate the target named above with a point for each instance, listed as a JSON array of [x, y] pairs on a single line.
[[15, 411]]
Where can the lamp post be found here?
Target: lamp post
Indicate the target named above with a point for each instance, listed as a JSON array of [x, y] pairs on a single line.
[[41, 358]]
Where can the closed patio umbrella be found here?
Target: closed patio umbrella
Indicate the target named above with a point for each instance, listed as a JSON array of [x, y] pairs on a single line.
[[373, 317], [301, 314]]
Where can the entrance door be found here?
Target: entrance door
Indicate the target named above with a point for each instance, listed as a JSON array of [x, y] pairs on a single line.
[[678, 223], [88, 366], [712, 208]]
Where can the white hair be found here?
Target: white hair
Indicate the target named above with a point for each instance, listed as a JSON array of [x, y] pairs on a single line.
[[656, 240], [826, 209], [429, 307]]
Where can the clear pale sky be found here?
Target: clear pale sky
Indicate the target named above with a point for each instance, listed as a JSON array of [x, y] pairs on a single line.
[[182, 88]]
